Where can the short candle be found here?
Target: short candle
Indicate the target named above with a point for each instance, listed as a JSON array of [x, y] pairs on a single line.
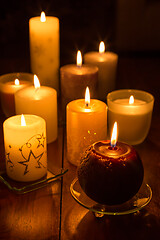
[[25, 147], [86, 123], [134, 118]]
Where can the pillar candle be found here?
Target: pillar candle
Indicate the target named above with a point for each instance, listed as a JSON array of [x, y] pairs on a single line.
[[44, 49], [8, 88], [74, 80], [132, 109], [41, 101], [25, 147], [107, 65], [86, 123]]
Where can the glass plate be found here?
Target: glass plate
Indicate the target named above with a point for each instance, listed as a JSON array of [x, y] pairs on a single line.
[[22, 187], [140, 200]]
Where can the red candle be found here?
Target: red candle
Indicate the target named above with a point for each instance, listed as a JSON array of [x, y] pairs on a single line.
[[110, 173]]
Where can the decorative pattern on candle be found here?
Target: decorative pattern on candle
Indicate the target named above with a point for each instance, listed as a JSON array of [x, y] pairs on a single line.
[[25, 148]]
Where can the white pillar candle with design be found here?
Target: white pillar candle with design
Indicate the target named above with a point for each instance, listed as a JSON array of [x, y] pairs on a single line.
[[25, 147]]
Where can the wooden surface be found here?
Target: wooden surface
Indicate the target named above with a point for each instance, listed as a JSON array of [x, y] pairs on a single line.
[[51, 212]]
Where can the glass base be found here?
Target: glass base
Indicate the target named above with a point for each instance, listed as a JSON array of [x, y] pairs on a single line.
[[139, 201]]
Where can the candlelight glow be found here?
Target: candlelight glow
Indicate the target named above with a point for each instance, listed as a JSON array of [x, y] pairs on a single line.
[[79, 59], [36, 82], [101, 47], [23, 122], [43, 17], [131, 99], [16, 82], [87, 97], [114, 135]]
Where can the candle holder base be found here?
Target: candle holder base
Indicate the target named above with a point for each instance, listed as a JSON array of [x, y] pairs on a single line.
[[139, 201], [25, 187]]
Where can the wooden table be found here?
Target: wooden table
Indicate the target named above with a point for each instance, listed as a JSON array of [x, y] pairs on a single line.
[[52, 213]]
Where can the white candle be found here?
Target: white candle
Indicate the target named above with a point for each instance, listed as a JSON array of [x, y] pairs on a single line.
[[107, 65], [44, 49], [41, 101], [132, 109], [86, 124], [25, 147]]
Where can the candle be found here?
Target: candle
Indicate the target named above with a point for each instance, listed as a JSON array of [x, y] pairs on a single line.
[[41, 101], [25, 147], [9, 84], [110, 173], [107, 65], [134, 118], [86, 123], [75, 78], [44, 49]]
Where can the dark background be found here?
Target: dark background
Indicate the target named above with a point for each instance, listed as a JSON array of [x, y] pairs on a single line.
[[127, 27]]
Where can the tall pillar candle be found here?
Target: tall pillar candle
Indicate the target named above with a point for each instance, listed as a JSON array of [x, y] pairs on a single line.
[[25, 147], [9, 84], [74, 80], [44, 49], [132, 110], [41, 101], [86, 124], [107, 65]]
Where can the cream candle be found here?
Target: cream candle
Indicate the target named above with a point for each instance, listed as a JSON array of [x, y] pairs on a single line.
[[132, 109], [9, 85], [107, 66], [86, 123], [25, 147], [41, 101], [44, 49], [74, 79]]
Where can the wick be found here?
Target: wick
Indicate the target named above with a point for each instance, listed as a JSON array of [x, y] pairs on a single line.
[[112, 147], [87, 105]]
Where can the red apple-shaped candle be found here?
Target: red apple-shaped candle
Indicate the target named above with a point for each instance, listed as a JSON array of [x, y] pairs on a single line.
[[110, 173]]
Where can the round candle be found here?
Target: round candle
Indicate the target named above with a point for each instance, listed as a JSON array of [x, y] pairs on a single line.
[[41, 101], [75, 78], [107, 66], [134, 118], [9, 85], [25, 147], [44, 49], [85, 125]]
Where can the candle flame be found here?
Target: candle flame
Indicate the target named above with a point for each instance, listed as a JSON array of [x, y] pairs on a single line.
[[23, 122], [79, 59], [43, 17], [36, 82], [101, 47], [114, 135], [87, 97], [131, 99], [16, 82]]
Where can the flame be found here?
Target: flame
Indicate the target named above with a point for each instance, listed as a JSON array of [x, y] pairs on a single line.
[[101, 47], [131, 99], [79, 59], [43, 17], [114, 135], [87, 97], [16, 82], [36, 82], [23, 122]]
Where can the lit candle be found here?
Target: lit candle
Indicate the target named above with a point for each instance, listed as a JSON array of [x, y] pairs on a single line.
[[75, 78], [44, 49], [41, 101], [86, 123], [107, 65], [25, 147], [110, 172], [132, 109], [9, 85]]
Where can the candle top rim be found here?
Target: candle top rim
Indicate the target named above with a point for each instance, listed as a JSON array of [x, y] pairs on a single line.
[[84, 69], [48, 18]]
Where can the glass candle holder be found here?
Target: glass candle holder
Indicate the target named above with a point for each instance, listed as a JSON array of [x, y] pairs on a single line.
[[134, 119], [8, 88]]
